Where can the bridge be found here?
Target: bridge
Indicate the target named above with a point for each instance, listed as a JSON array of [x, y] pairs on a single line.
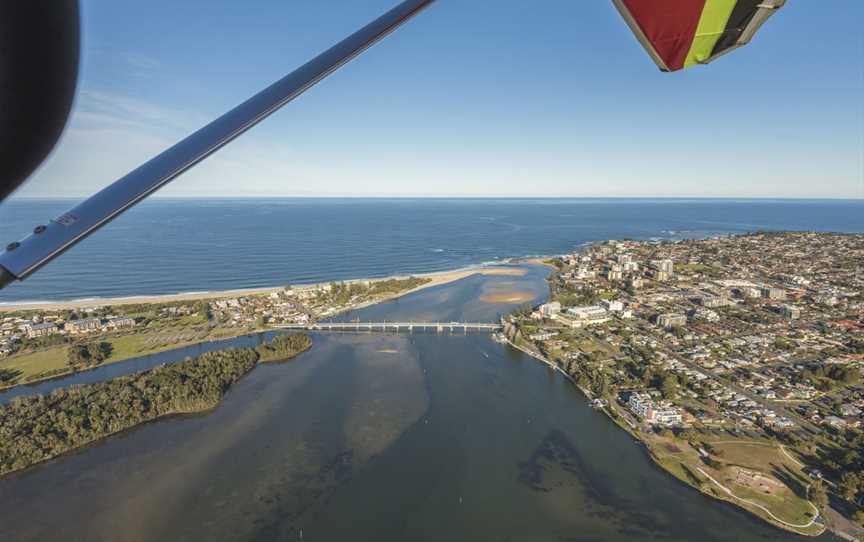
[[438, 327]]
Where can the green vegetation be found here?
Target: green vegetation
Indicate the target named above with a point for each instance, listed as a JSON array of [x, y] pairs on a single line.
[[88, 354], [54, 361], [395, 286], [827, 377], [754, 471], [782, 343], [9, 375], [841, 459], [284, 347], [343, 293], [35, 365], [37, 428], [153, 314]]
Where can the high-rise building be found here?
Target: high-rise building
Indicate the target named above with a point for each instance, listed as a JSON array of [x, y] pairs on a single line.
[[790, 312], [671, 320], [773, 293], [667, 265]]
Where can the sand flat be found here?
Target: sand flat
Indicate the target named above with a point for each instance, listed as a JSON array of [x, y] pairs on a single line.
[[437, 279]]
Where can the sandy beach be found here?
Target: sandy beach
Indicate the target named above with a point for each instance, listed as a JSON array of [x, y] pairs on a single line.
[[436, 279]]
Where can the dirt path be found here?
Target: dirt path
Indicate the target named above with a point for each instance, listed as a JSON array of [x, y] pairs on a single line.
[[760, 507]]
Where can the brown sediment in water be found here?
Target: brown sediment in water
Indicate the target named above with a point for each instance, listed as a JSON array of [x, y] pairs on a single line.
[[503, 271], [501, 295]]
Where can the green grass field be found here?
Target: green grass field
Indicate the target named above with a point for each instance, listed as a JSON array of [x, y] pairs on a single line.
[[786, 478], [51, 362], [36, 363]]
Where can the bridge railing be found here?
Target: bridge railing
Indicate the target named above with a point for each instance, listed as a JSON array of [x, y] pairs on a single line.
[[388, 326]]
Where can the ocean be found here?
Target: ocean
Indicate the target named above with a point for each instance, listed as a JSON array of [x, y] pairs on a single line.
[[167, 246]]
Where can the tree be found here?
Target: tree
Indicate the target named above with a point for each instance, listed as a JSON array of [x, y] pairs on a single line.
[[669, 386], [9, 375], [850, 485], [603, 385], [713, 463], [284, 347], [846, 375], [36, 428], [819, 495], [856, 345], [89, 353]]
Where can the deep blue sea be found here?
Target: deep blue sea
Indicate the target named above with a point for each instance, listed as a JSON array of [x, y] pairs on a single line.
[[169, 246]]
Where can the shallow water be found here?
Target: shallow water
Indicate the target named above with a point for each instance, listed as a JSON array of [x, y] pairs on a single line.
[[378, 437]]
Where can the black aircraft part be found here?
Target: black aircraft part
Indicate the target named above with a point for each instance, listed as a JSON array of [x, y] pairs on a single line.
[[39, 51]]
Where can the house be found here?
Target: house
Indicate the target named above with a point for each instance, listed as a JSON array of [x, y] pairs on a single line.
[[835, 422], [121, 322], [773, 293], [612, 305], [848, 410], [85, 325], [705, 314], [713, 301], [41, 330], [542, 335]]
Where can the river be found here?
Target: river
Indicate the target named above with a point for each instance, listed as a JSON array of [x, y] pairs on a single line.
[[379, 437]]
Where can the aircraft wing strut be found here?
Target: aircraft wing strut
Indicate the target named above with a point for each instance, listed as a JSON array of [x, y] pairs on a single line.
[[676, 34], [50, 240]]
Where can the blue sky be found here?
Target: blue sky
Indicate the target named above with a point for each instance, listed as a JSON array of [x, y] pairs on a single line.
[[472, 98]]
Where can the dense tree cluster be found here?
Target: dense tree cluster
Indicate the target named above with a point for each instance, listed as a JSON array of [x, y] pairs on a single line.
[[284, 347], [572, 296], [8, 376], [845, 464], [38, 428], [89, 354], [342, 293], [856, 345], [828, 377]]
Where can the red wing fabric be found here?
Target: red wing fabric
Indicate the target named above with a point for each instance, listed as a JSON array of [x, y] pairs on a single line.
[[682, 33]]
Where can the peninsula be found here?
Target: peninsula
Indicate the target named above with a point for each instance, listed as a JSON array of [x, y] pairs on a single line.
[[47, 340], [38, 428]]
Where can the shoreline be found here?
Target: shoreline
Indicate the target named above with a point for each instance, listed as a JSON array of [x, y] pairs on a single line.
[[196, 408], [437, 278], [731, 499]]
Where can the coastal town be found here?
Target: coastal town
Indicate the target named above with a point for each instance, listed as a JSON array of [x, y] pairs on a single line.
[[737, 360], [756, 338], [39, 343]]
